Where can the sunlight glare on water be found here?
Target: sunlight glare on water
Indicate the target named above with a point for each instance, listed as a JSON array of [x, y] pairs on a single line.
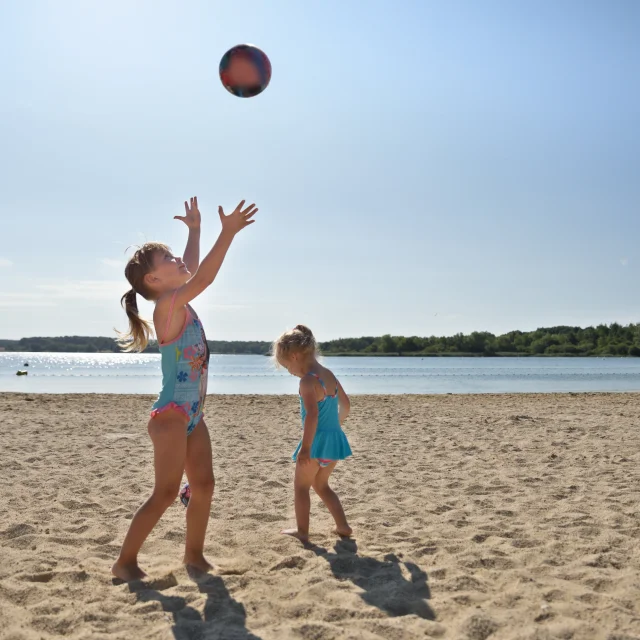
[[247, 374]]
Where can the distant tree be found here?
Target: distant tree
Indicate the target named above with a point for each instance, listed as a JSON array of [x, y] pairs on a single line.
[[388, 344], [410, 345]]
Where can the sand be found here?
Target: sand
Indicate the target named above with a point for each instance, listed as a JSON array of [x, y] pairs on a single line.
[[501, 516]]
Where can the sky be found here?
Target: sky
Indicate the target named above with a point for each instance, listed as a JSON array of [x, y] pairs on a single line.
[[421, 167]]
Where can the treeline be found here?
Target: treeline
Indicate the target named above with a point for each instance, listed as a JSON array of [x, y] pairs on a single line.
[[603, 340], [66, 344], [239, 348]]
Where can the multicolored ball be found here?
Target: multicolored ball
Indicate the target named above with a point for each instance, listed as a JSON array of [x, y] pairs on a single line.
[[185, 494], [245, 71]]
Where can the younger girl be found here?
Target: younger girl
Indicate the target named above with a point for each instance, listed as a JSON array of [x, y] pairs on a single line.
[[177, 429], [324, 407]]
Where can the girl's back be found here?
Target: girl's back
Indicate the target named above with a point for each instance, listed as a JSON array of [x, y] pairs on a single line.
[[328, 405]]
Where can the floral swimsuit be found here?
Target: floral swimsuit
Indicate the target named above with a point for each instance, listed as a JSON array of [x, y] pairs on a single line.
[[185, 364]]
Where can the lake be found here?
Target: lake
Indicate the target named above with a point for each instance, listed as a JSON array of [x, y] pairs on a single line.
[[230, 374]]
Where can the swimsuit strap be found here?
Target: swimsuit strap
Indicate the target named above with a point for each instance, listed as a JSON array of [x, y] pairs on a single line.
[[166, 329], [319, 379], [315, 375]]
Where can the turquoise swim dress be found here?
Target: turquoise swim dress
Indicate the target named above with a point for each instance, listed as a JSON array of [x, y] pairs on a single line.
[[330, 442]]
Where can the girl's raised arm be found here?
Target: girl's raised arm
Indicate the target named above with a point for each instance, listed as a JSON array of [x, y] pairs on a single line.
[[191, 218], [210, 265]]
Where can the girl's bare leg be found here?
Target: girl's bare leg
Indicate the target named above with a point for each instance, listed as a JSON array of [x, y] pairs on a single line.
[[168, 433], [199, 468], [301, 486], [331, 500]]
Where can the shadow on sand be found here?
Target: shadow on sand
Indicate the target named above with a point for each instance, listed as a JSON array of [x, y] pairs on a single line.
[[398, 588], [223, 617], [383, 583]]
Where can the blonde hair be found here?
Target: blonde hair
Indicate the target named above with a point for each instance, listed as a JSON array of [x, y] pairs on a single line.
[[140, 330], [300, 339]]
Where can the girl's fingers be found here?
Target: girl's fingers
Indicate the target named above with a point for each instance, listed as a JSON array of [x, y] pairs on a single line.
[[221, 213], [180, 218], [186, 206], [248, 208], [239, 207], [250, 215]]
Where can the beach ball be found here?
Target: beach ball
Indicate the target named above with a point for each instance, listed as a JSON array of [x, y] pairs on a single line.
[[185, 494], [245, 71]]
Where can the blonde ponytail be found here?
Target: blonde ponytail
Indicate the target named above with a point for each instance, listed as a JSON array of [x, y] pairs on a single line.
[[140, 331], [305, 331], [299, 340], [139, 265]]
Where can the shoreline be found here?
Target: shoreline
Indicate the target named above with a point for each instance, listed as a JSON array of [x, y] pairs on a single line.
[[361, 396]]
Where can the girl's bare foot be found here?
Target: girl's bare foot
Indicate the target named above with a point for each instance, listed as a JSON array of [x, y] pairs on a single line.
[[294, 533], [344, 532], [128, 572], [197, 561]]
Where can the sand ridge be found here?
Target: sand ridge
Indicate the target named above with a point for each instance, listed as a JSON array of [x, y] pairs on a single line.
[[492, 516]]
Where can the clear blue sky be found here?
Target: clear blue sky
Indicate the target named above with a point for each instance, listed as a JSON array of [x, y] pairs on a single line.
[[421, 167]]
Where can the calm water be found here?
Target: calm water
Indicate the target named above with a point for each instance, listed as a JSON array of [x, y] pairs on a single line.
[[126, 373]]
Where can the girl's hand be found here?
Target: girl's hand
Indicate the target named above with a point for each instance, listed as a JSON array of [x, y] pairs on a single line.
[[304, 457], [192, 214], [239, 219]]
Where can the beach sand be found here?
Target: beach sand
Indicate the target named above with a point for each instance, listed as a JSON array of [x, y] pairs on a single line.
[[497, 516]]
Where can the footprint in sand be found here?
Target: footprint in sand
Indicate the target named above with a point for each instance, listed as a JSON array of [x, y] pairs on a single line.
[[264, 517], [292, 562], [479, 627], [18, 530], [155, 584], [46, 576]]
